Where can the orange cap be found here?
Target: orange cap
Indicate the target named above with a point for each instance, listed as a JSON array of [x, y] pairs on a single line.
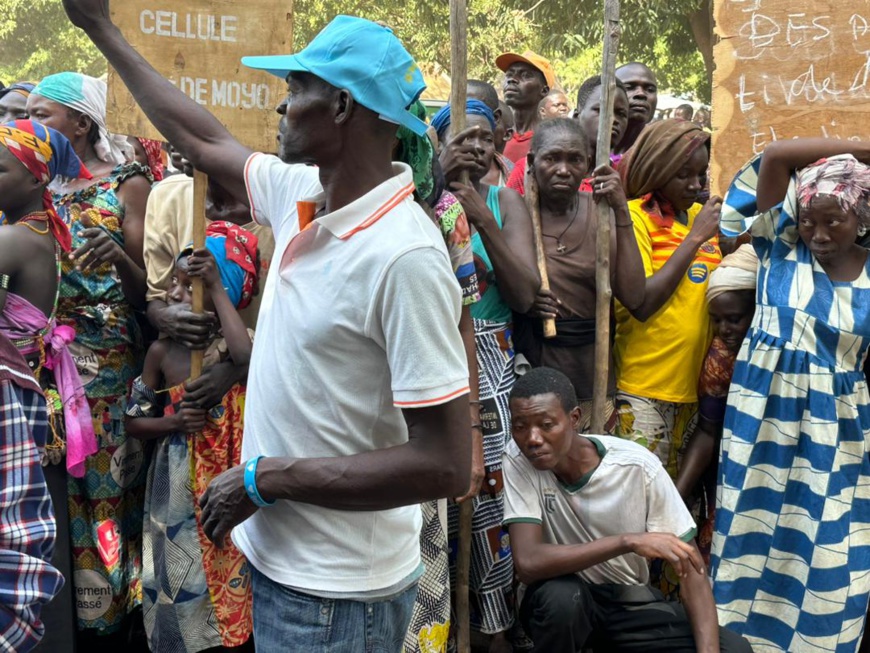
[[504, 61]]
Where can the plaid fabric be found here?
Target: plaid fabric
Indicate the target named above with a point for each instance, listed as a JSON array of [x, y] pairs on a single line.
[[27, 527]]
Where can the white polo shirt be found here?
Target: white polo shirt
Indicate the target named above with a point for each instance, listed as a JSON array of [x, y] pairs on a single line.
[[359, 320]]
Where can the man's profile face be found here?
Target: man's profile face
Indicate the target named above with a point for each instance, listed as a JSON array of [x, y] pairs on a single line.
[[306, 118], [542, 429]]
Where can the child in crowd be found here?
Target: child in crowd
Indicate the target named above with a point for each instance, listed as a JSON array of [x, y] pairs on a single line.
[[731, 305], [210, 606]]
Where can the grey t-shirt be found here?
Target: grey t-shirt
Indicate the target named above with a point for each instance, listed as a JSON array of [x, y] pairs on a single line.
[[629, 492]]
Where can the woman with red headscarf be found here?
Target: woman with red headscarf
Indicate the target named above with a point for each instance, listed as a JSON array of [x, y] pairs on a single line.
[[57, 419]]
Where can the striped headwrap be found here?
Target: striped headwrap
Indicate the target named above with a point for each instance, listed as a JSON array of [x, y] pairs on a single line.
[[21, 88], [48, 155], [842, 177]]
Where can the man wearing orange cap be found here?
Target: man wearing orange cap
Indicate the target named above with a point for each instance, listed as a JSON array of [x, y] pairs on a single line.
[[528, 78]]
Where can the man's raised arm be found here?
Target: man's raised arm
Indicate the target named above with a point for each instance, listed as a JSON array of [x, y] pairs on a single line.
[[188, 126]]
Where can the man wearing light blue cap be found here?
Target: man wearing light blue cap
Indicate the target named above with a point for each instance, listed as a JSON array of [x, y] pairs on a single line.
[[357, 405]]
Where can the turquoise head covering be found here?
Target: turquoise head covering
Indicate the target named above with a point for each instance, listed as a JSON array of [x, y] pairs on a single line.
[[87, 95]]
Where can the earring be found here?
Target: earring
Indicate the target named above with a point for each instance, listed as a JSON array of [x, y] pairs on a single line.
[[862, 230]]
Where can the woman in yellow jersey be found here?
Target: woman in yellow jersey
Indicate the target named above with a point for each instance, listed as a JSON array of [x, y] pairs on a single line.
[[660, 345]]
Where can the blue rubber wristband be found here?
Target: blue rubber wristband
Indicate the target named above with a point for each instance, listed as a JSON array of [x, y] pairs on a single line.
[[251, 484]]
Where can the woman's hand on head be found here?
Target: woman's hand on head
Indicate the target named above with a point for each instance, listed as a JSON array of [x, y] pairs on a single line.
[[706, 224]]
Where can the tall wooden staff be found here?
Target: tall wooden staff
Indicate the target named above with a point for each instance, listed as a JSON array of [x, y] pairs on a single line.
[[533, 203], [458, 91], [200, 186], [602, 268]]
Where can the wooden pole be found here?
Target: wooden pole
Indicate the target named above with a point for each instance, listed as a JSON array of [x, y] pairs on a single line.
[[534, 205], [200, 186], [458, 94], [603, 292]]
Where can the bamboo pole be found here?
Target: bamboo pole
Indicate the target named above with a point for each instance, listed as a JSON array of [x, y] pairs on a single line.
[[200, 186], [602, 269], [458, 94], [533, 203]]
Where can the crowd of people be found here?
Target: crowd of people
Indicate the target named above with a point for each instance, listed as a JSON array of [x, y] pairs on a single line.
[[375, 356]]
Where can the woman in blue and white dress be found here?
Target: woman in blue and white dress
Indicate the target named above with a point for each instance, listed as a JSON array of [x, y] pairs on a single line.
[[791, 552]]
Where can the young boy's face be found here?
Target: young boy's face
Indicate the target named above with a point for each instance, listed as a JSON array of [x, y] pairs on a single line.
[[542, 429], [181, 287]]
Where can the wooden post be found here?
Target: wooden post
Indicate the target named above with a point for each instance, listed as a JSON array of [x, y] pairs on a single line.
[[458, 95], [534, 205], [200, 186], [603, 292]]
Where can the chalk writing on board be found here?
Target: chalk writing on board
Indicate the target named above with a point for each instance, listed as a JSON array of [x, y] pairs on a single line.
[[786, 69]]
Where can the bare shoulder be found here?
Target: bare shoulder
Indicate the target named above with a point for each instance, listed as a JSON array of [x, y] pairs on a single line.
[[134, 185], [513, 205], [16, 247]]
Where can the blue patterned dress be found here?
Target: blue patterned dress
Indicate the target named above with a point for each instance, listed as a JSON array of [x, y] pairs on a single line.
[[791, 551]]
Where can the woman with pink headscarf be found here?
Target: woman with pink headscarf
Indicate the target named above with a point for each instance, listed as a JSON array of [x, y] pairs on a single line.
[[791, 561]]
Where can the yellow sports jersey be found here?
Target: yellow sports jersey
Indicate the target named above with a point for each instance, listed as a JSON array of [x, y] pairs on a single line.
[[662, 357]]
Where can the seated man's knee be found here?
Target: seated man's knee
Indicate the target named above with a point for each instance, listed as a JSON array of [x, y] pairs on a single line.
[[558, 601]]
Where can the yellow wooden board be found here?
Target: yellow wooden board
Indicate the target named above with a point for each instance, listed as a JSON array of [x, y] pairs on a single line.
[[787, 68], [198, 46]]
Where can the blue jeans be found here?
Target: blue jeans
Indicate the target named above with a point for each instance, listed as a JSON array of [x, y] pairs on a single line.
[[286, 620]]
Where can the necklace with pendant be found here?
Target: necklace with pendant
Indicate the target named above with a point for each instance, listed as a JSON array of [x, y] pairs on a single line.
[[561, 248]]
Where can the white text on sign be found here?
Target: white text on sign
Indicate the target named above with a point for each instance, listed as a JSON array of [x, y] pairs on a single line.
[[189, 26], [226, 93]]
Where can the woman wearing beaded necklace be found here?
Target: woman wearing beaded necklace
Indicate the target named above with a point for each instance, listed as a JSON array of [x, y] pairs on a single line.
[[559, 160], [31, 242]]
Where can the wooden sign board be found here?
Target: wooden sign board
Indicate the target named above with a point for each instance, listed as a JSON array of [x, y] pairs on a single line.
[[198, 46], [787, 68]]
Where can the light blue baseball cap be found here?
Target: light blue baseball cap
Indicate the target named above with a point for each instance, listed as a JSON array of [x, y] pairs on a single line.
[[363, 57]]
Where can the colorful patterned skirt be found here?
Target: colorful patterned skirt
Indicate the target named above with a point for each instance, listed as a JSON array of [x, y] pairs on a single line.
[[196, 595], [105, 506], [430, 622]]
